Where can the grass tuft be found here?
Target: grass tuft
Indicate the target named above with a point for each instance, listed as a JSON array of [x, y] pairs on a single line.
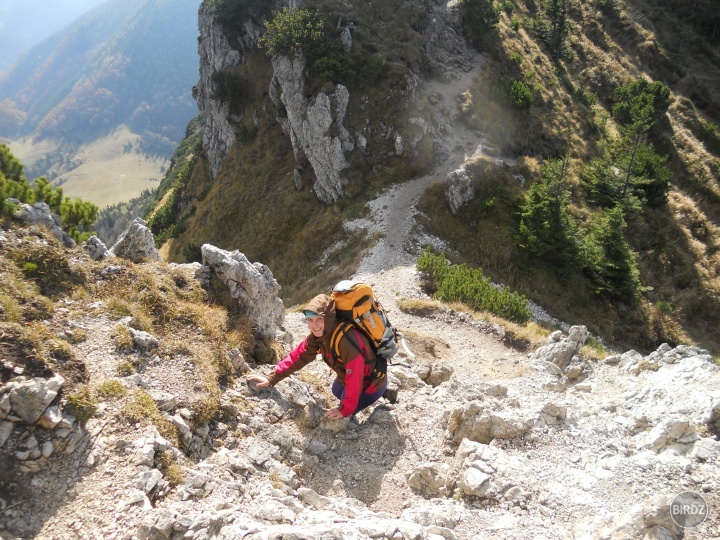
[[82, 404], [142, 409], [111, 387]]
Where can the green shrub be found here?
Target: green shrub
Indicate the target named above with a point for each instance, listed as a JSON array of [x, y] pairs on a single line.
[[294, 30], [609, 262], [587, 98], [508, 6], [232, 13], [335, 67], [516, 57], [480, 13], [521, 95], [515, 24], [546, 228], [459, 283]]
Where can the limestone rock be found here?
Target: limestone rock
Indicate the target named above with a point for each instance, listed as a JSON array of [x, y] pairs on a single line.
[[217, 55], [476, 423], [312, 124], [95, 247], [30, 398], [429, 479], [459, 189], [559, 349], [144, 340], [137, 243], [40, 214], [251, 284], [439, 373]]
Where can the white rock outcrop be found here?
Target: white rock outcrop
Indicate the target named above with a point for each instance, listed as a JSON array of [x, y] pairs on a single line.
[[459, 189], [309, 124], [136, 244], [251, 284], [40, 214]]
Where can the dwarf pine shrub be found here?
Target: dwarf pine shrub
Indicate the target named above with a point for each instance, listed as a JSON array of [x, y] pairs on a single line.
[[460, 283]]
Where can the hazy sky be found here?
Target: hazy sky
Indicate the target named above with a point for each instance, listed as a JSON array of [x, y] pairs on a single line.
[[25, 23]]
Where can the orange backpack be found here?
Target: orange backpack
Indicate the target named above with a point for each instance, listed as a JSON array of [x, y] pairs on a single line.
[[356, 306]]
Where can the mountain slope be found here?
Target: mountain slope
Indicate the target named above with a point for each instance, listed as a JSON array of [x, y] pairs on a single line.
[[21, 28], [130, 63], [284, 138]]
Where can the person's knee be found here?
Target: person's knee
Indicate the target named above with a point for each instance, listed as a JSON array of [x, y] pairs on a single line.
[[338, 390]]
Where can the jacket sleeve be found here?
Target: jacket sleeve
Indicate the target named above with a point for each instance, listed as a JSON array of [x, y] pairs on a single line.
[[354, 371], [296, 359]]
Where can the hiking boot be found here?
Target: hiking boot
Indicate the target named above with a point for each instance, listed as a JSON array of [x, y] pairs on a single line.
[[391, 394]]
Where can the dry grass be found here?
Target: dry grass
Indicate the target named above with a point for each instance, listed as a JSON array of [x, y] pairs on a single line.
[[110, 387], [142, 409], [82, 404], [122, 338], [531, 335]]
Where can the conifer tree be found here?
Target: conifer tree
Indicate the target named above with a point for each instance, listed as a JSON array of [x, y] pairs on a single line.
[[557, 11], [609, 262], [546, 228]]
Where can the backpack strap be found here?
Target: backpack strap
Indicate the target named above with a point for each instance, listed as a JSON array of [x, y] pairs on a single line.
[[343, 330]]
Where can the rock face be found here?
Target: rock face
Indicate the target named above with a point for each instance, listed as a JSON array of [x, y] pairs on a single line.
[[251, 284], [40, 214], [216, 55], [311, 124], [446, 50], [136, 244], [316, 123]]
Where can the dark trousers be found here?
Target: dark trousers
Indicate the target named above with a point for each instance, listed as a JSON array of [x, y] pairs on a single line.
[[365, 400]]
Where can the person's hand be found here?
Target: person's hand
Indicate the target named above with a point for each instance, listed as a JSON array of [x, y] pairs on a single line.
[[333, 414], [259, 380]]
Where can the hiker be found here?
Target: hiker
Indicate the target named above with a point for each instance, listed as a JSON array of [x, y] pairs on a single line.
[[358, 384]]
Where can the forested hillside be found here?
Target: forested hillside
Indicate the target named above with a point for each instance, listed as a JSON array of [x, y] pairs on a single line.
[[128, 63], [605, 114]]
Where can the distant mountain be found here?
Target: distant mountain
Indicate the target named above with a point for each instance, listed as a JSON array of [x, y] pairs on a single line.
[[25, 23], [128, 62]]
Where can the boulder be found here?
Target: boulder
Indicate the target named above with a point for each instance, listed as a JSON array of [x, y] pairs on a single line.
[[560, 350], [31, 397], [428, 479], [95, 248], [439, 373], [144, 340], [40, 214], [137, 243], [477, 423], [252, 285], [459, 189]]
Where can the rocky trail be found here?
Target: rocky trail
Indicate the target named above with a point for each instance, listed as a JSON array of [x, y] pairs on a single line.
[[484, 442]]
